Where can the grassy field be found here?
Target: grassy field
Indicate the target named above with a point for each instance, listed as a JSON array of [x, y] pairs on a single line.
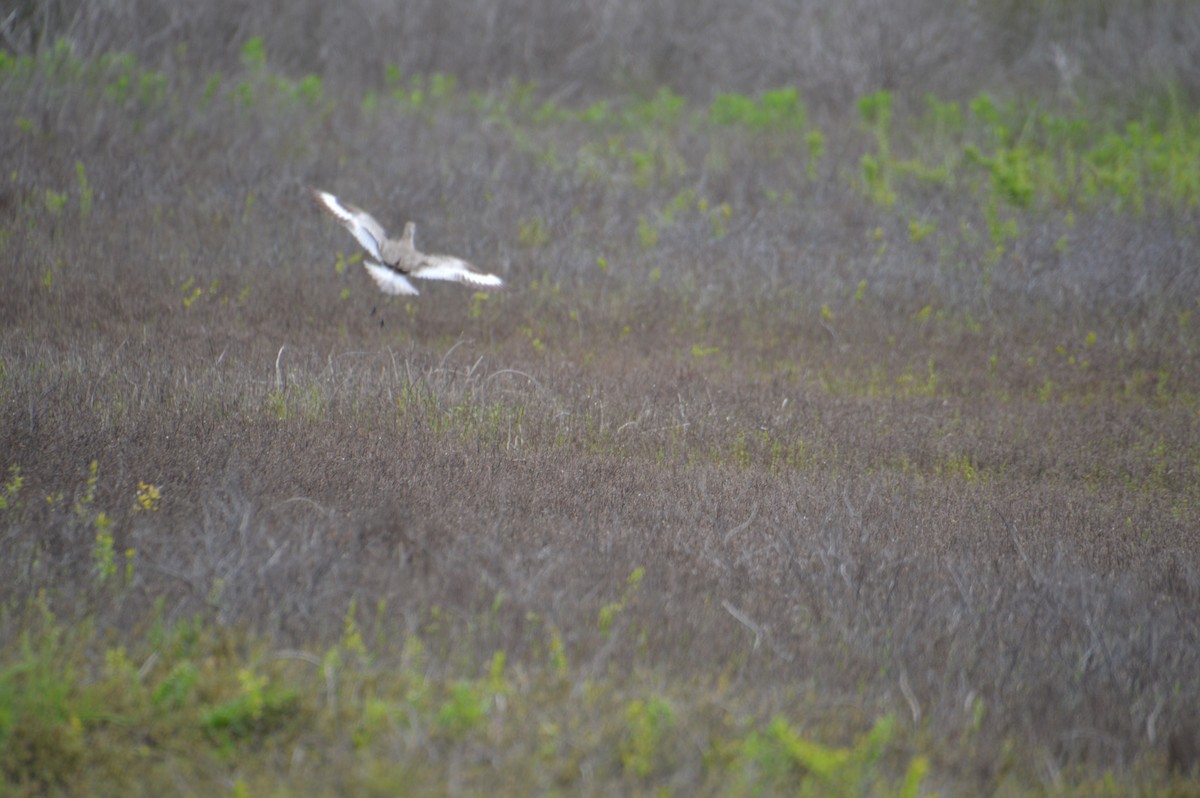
[[838, 434]]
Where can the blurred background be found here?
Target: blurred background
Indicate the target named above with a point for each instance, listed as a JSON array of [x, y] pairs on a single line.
[[594, 48]]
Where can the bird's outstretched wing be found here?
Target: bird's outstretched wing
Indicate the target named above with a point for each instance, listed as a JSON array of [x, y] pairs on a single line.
[[443, 267], [362, 225], [389, 280]]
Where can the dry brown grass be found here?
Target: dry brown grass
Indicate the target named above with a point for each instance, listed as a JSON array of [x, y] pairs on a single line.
[[879, 508]]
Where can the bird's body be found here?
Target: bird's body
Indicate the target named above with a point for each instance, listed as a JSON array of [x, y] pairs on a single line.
[[398, 258]]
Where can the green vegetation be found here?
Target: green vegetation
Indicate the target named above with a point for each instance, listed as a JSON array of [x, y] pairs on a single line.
[[822, 444], [191, 700]]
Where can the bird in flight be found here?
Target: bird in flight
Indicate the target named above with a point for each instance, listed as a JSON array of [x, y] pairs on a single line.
[[398, 259]]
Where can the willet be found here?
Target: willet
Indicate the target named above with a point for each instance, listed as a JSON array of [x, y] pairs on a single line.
[[399, 258]]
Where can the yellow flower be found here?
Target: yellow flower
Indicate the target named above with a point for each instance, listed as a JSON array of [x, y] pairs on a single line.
[[147, 497]]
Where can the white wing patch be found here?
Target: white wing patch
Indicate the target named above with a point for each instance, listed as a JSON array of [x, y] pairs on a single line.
[[458, 271], [390, 281], [361, 224]]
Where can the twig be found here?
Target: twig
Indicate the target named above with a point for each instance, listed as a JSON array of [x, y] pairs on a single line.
[[910, 697], [315, 661], [740, 527], [4, 26], [152, 660], [303, 656], [1012, 533], [278, 371], [328, 513], [514, 371], [450, 351], [745, 621]]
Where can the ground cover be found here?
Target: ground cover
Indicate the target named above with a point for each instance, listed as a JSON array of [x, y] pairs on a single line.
[[815, 448]]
